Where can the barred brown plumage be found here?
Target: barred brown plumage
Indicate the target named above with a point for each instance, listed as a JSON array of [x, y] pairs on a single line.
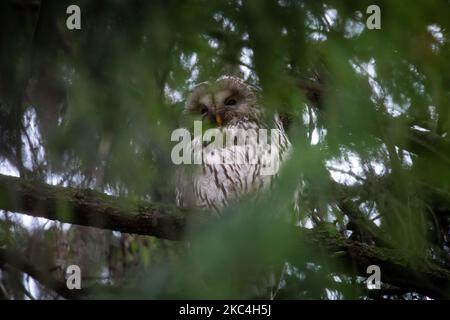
[[237, 168]]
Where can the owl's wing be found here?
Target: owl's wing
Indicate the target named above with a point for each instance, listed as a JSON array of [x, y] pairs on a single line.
[[185, 175], [184, 195]]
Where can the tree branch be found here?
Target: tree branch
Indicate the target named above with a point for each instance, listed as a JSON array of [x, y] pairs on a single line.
[[11, 258], [415, 274], [91, 208]]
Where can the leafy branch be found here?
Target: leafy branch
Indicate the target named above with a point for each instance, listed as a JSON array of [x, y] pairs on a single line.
[[91, 208]]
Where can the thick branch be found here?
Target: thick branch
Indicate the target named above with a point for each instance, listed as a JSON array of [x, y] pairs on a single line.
[[90, 208], [414, 274]]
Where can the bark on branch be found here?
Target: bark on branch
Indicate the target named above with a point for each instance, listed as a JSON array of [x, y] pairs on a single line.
[[412, 274], [91, 208]]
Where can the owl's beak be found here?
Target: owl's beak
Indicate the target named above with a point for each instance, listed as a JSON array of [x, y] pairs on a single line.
[[218, 119]]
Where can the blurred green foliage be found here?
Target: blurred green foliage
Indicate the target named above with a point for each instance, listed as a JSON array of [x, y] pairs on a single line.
[[369, 122]]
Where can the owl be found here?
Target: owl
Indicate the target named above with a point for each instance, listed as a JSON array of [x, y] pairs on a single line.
[[238, 166]]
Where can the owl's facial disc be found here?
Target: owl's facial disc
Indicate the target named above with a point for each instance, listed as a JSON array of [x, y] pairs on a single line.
[[206, 107], [222, 100], [215, 106], [223, 104], [219, 119]]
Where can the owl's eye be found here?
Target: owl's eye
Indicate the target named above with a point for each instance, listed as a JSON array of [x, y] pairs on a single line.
[[230, 102]]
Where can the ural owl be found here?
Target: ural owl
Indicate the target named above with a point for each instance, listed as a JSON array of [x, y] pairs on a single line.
[[226, 173]]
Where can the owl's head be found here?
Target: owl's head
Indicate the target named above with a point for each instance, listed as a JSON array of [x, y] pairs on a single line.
[[225, 101]]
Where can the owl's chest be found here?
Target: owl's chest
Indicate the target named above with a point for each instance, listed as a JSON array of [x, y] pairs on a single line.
[[216, 184], [230, 171]]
